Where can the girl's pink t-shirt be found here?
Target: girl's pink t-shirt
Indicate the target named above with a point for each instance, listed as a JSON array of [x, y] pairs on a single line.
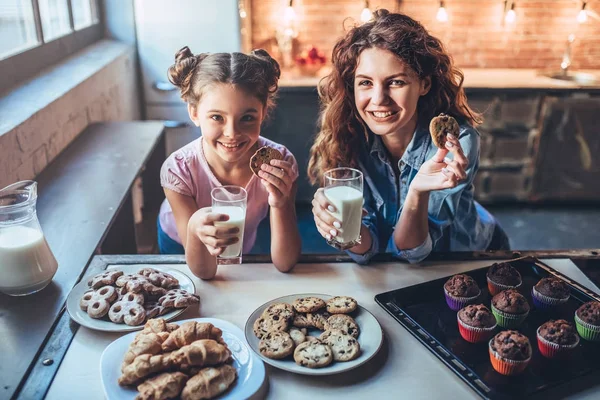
[[187, 172]]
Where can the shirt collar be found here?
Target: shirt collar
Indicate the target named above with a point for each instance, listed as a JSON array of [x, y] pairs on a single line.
[[415, 153]]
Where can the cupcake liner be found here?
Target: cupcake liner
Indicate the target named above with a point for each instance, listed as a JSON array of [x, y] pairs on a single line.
[[456, 303], [474, 334], [507, 320], [587, 331], [505, 366], [496, 288], [543, 302], [554, 350]]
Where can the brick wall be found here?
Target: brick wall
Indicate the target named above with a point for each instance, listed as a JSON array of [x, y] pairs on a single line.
[[108, 95], [475, 34]]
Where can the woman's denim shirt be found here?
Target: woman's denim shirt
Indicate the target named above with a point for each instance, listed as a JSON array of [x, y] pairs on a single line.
[[456, 221]]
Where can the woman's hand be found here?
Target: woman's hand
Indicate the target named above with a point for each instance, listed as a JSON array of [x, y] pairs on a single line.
[[203, 224], [442, 173], [277, 179], [326, 223]]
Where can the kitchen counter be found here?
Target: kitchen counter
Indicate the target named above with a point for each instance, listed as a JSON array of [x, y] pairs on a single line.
[[402, 363], [477, 78]]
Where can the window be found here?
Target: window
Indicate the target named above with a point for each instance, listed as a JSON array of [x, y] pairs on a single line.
[[84, 13], [25, 24], [55, 18], [17, 27]]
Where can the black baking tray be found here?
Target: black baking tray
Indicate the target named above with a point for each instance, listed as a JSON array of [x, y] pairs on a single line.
[[423, 311]]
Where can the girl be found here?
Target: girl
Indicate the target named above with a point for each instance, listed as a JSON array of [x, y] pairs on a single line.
[[228, 96], [390, 77]]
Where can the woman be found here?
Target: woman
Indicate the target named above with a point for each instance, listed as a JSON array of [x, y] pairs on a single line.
[[390, 77]]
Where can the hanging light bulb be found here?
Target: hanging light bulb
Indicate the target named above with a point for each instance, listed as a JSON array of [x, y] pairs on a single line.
[[289, 14], [242, 9], [366, 14], [510, 15], [582, 16], [442, 15]]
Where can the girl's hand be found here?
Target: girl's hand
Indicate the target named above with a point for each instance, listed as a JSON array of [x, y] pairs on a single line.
[[216, 239], [440, 172], [277, 179]]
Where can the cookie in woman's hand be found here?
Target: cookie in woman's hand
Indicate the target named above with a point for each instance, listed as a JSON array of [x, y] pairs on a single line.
[[264, 155], [441, 126]]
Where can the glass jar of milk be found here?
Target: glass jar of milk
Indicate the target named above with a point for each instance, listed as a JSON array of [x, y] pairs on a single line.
[[27, 264]]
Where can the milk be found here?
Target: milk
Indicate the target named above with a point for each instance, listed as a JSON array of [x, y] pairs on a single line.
[[26, 262], [348, 202], [237, 217]]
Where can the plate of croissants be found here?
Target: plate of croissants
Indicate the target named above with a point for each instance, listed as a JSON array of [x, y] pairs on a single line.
[[200, 358]]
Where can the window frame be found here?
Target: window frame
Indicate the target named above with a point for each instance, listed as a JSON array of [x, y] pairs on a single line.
[[27, 63]]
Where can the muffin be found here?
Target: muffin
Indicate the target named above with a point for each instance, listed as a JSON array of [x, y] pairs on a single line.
[[556, 338], [510, 352], [587, 320], [502, 276], [476, 323], [460, 290], [510, 308], [549, 293]]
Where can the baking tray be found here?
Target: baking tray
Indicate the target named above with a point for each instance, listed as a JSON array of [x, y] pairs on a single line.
[[423, 311]]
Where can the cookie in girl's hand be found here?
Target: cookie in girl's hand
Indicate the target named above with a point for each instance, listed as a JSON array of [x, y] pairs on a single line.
[[441, 126], [264, 155]]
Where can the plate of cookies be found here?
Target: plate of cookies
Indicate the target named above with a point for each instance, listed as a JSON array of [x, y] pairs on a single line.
[[200, 358], [122, 299], [314, 334]]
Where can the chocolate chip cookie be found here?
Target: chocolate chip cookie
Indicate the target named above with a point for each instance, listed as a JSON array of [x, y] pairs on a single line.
[[308, 304], [344, 323], [341, 305], [301, 321], [441, 126], [284, 310], [343, 346], [298, 335], [313, 354], [318, 319], [276, 345], [266, 323], [264, 155]]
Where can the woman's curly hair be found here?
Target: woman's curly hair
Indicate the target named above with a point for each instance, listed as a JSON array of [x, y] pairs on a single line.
[[342, 131]]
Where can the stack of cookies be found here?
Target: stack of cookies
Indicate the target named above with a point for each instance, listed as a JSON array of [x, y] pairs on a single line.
[[167, 361], [134, 298], [283, 330]]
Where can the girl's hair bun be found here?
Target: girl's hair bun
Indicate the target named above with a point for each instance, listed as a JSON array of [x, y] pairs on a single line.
[[273, 72], [181, 72]]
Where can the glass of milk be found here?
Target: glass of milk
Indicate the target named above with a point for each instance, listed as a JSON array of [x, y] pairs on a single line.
[[231, 200], [27, 264], [344, 190]]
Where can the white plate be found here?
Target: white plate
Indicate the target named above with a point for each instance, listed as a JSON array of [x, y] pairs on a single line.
[[250, 369], [82, 318], [370, 339]]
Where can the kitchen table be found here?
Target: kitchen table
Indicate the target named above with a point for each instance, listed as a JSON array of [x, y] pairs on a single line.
[[402, 368]]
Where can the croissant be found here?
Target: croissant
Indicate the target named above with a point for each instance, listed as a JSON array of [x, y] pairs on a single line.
[[144, 365], [144, 343], [200, 353], [189, 332], [209, 382], [158, 325], [167, 385]]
